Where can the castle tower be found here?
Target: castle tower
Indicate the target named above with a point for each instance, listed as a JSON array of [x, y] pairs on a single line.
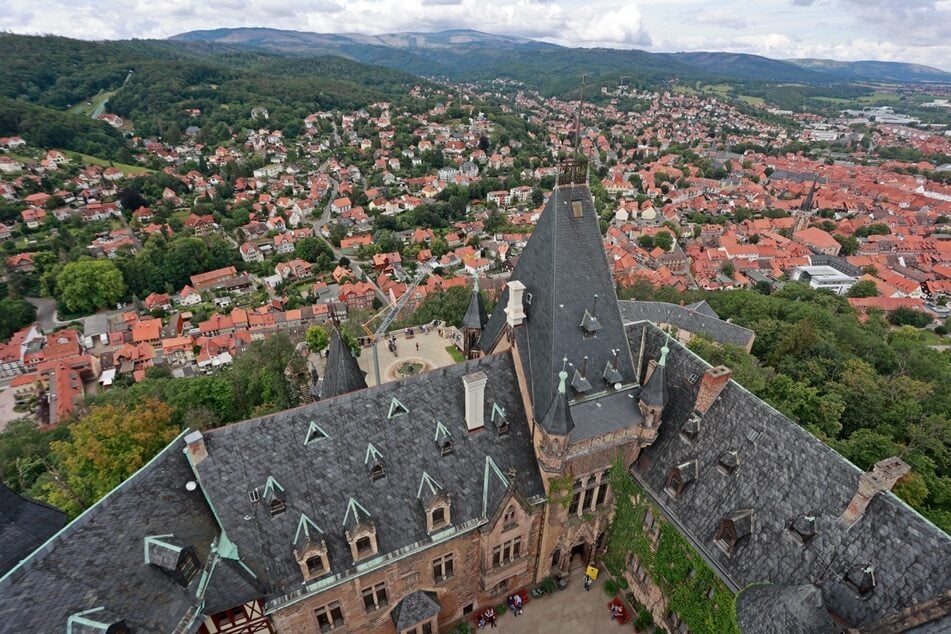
[[473, 322]]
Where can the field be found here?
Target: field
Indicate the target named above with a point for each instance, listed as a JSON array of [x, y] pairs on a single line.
[[93, 105], [126, 169]]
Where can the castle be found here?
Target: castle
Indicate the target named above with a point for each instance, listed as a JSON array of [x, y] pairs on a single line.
[[408, 506]]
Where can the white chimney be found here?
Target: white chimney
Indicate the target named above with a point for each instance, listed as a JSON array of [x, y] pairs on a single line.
[[475, 399], [195, 447], [514, 311]]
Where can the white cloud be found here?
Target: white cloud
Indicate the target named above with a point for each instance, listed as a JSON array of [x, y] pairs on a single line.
[[718, 17]]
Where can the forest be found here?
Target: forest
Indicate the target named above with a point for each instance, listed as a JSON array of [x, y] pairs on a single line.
[[869, 389]]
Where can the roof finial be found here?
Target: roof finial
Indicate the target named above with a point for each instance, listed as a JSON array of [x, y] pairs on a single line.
[[563, 376], [664, 351]]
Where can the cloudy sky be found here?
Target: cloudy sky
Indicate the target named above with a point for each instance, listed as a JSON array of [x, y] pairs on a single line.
[[902, 30]]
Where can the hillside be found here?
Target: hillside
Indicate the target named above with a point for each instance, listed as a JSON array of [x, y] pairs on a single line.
[[881, 71], [473, 55], [44, 76]]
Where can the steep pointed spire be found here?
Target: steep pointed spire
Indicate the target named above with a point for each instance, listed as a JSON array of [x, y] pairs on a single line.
[[557, 419], [343, 373], [654, 393], [473, 321]]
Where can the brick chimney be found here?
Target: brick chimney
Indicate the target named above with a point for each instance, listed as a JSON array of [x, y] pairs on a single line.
[[514, 310], [475, 399], [195, 447], [881, 478], [711, 384]]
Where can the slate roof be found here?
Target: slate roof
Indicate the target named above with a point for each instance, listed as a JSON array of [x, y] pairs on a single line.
[[475, 316], [24, 525], [343, 373], [696, 318], [784, 472], [565, 273], [416, 607], [98, 559], [320, 478], [769, 609]]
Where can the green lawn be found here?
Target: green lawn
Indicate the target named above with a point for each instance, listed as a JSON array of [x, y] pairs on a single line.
[[753, 101], [88, 106], [126, 169], [456, 355]]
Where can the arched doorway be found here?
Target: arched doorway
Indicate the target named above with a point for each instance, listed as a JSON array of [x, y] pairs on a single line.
[[580, 555], [556, 561]]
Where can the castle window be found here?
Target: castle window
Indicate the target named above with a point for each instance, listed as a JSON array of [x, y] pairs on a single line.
[[276, 507], [679, 477], [274, 497], [732, 529], [443, 568], [860, 579], [329, 617], [374, 597], [803, 528], [728, 462], [447, 447], [507, 552], [509, 520], [576, 497], [315, 565], [438, 516], [377, 472], [364, 546]]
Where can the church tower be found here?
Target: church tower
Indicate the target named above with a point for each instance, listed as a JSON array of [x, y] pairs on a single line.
[[473, 322]]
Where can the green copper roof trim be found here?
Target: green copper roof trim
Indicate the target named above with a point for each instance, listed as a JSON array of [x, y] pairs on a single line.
[[271, 485], [314, 433], [397, 408], [441, 431], [497, 409], [306, 524], [372, 452], [159, 541], [80, 618], [354, 506], [490, 468], [428, 481]]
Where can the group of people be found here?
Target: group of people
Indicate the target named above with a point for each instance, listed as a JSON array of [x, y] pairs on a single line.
[[616, 611], [488, 618], [515, 604]]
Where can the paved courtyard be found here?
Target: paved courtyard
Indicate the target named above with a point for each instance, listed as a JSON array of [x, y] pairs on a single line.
[[568, 611], [423, 351]]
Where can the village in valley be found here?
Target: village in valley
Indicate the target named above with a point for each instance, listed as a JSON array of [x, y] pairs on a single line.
[[368, 213]]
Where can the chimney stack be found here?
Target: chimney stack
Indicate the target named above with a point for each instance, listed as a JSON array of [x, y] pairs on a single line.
[[711, 384], [475, 399], [514, 310], [195, 448], [881, 478]]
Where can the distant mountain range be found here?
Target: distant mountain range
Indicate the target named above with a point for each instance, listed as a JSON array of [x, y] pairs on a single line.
[[469, 55]]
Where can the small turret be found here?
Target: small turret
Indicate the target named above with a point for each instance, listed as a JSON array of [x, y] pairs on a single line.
[[653, 397], [473, 322]]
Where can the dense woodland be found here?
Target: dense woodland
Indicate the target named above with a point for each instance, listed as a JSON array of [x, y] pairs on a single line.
[[871, 390]]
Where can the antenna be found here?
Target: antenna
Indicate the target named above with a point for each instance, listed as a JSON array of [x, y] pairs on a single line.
[[578, 119]]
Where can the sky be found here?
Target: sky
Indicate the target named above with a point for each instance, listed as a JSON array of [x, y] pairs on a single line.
[[916, 31]]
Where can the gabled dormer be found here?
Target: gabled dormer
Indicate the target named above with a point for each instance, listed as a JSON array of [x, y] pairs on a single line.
[[360, 531], [310, 549], [274, 497], [499, 420], [435, 502], [579, 382], [177, 561], [314, 433], [374, 463], [733, 528], [612, 370], [443, 440]]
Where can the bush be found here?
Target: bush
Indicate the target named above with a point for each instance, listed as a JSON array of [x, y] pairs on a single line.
[[644, 620], [622, 583], [610, 587], [500, 609], [549, 585]]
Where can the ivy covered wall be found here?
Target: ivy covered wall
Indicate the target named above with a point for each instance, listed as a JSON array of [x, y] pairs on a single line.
[[692, 589]]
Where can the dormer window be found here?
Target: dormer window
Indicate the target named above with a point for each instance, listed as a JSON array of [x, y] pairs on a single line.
[[728, 461], [361, 531], [397, 409], [443, 439], [732, 529], [803, 528], [310, 549], [364, 546], [274, 497], [314, 433], [374, 461], [691, 428], [499, 420], [435, 502], [679, 477], [438, 516], [860, 579], [178, 562]]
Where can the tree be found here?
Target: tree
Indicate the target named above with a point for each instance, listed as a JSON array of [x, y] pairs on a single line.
[[89, 284], [728, 269], [317, 338], [909, 317], [646, 242], [262, 376], [15, 314], [664, 240], [103, 449], [864, 288], [850, 245]]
